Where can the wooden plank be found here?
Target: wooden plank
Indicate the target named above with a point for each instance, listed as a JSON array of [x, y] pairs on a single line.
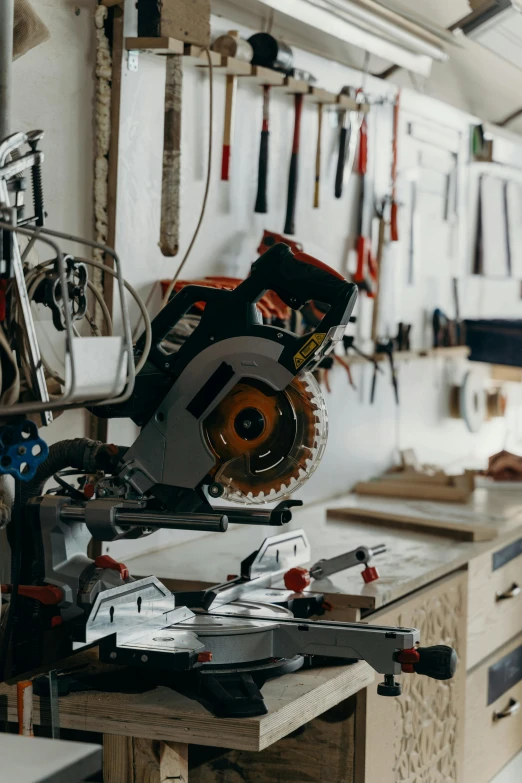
[[478, 520], [294, 86], [265, 76], [230, 66], [417, 490], [503, 372], [346, 102], [198, 56], [155, 45], [136, 760], [161, 713], [318, 95], [420, 734], [321, 752]]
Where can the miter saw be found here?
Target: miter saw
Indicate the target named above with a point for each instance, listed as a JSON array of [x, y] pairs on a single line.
[[236, 414]]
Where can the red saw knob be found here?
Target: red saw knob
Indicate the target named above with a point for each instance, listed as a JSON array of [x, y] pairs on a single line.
[[297, 579], [106, 561], [370, 574]]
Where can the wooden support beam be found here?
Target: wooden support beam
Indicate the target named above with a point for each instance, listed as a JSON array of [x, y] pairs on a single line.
[[136, 760]]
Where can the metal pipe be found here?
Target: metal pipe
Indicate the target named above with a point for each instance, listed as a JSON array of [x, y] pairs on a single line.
[[6, 65], [215, 523], [274, 517]]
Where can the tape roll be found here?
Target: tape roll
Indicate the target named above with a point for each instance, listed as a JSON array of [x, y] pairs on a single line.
[[473, 401]]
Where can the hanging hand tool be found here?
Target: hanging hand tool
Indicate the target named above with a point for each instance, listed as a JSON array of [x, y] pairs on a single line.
[[262, 171], [294, 167], [230, 45], [387, 349], [351, 123], [230, 102], [394, 209], [366, 271], [269, 52], [170, 179], [318, 155]]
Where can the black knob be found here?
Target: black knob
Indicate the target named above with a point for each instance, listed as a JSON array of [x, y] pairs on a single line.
[[438, 662], [389, 687]]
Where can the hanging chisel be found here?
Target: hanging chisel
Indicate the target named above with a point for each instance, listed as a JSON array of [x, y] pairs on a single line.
[[262, 171], [294, 167]]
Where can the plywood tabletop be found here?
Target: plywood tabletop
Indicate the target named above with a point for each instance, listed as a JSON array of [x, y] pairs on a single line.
[[413, 559], [487, 514], [161, 713]]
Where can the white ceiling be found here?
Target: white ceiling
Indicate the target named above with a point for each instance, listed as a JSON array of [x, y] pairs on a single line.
[[473, 78]]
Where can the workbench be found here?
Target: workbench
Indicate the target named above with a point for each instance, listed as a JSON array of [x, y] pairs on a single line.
[[147, 730], [446, 587]]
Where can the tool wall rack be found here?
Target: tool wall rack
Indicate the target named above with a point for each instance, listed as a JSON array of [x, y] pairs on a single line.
[[230, 66]]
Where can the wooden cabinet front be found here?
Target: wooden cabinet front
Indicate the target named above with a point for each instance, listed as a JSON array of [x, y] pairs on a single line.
[[418, 736]]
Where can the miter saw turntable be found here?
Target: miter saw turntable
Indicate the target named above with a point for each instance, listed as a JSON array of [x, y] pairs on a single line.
[[234, 414]]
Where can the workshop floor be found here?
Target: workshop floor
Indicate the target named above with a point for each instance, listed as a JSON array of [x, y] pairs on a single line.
[[512, 772]]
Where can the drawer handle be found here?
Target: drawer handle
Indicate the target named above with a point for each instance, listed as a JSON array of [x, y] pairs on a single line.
[[511, 592], [510, 710]]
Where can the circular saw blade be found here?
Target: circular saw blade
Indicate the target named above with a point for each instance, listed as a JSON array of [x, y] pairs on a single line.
[[267, 443]]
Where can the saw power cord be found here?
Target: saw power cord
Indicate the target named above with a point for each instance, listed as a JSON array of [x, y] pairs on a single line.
[[207, 185]]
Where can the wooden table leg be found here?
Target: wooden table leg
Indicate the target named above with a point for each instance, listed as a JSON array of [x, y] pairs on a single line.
[[136, 760]]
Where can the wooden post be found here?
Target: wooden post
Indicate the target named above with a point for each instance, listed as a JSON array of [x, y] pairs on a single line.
[[135, 760]]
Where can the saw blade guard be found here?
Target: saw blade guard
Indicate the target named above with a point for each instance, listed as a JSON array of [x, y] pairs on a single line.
[[267, 443]]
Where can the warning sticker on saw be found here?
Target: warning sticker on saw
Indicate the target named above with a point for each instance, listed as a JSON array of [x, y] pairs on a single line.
[[308, 349]]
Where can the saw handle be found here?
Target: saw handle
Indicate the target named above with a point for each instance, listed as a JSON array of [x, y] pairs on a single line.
[[297, 279]]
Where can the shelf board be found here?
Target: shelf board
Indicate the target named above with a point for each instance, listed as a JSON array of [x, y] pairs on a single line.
[[228, 65], [154, 45], [265, 76], [345, 102], [197, 55], [451, 352], [318, 95], [295, 86]]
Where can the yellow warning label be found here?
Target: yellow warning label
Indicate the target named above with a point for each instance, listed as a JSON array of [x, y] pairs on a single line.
[[308, 349]]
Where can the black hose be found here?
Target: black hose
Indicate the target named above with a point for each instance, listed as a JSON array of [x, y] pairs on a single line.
[[79, 453]]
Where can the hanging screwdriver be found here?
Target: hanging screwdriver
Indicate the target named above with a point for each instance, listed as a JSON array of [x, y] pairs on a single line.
[[294, 167], [262, 172]]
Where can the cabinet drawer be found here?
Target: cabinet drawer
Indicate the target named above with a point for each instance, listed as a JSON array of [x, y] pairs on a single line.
[[494, 601], [493, 714]]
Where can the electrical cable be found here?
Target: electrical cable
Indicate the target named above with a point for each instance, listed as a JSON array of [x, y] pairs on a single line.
[[207, 185]]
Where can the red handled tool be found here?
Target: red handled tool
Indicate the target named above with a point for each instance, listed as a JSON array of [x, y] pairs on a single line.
[[394, 215], [366, 271], [230, 102]]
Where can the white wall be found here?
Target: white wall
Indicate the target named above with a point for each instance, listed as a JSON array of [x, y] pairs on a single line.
[[54, 90], [363, 438]]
